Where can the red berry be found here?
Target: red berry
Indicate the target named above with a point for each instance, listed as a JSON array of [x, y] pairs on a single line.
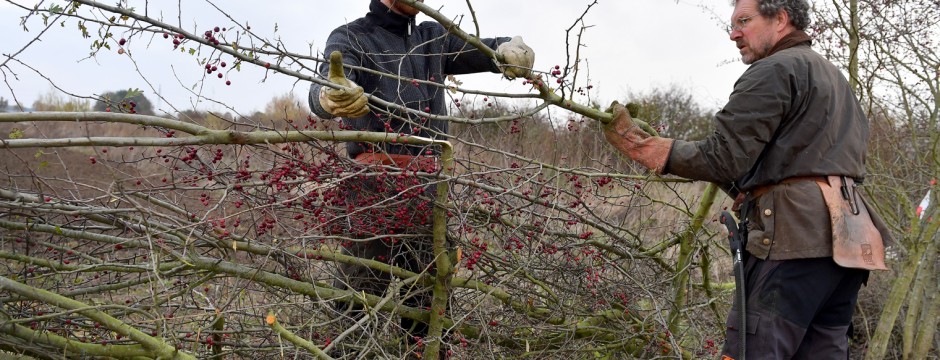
[[228, 82], [122, 42]]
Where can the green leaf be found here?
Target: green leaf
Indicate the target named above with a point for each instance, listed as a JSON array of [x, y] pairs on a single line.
[[192, 51], [132, 93], [39, 154], [58, 230], [43, 164], [16, 134]]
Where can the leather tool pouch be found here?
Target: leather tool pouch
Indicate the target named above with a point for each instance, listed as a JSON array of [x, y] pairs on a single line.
[[856, 240]]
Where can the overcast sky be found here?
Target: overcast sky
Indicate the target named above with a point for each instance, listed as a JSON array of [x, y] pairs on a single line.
[[631, 46]]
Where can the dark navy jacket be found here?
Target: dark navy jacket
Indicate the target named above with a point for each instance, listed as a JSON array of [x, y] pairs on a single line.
[[390, 43]]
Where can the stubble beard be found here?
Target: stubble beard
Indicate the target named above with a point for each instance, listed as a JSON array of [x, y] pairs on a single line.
[[758, 52]]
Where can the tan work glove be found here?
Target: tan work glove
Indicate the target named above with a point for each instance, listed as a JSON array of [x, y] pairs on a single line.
[[518, 58], [650, 151], [350, 102]]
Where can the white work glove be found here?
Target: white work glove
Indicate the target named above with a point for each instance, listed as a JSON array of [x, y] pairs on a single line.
[[350, 102], [518, 58]]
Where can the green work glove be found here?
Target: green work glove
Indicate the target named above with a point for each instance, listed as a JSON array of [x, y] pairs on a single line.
[[518, 58], [348, 102]]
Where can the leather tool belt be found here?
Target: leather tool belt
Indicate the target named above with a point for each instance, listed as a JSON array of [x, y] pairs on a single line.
[[856, 241]]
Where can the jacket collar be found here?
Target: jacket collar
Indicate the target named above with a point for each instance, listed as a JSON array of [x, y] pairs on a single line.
[[384, 17], [794, 38]]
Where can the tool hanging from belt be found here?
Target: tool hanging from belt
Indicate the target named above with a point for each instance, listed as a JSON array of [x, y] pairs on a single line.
[[737, 238]]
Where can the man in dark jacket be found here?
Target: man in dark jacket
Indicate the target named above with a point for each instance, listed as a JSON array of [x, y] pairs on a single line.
[[791, 135], [403, 63]]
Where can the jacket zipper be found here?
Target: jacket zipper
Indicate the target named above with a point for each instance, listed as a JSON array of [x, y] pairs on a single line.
[[414, 66]]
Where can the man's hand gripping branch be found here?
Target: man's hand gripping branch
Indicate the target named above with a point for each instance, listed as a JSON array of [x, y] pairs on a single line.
[[518, 58], [349, 101], [625, 135]]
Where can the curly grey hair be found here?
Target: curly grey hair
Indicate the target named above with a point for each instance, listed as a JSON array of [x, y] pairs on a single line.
[[797, 9]]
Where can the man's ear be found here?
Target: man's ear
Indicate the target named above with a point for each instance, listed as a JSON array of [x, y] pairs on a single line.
[[783, 20]]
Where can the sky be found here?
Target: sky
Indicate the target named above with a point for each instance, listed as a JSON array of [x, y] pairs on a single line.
[[629, 47]]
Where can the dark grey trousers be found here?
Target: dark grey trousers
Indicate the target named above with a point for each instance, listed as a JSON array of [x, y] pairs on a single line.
[[382, 209], [796, 309]]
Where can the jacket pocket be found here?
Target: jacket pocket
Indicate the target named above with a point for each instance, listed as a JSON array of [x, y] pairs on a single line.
[[753, 320], [791, 221], [760, 227]]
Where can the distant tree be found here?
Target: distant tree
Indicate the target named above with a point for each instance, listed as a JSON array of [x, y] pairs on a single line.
[[53, 101], [675, 111], [125, 101], [286, 106], [4, 104], [193, 116]]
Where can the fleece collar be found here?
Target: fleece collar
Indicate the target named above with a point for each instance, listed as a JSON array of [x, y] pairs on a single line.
[[383, 16]]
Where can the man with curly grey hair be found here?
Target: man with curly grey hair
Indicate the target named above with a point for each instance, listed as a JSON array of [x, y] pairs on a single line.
[[790, 146]]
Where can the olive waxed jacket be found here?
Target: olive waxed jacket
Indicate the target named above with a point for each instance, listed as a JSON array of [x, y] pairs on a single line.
[[791, 114]]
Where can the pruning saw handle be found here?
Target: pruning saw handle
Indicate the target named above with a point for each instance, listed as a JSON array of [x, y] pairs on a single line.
[[735, 235]]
